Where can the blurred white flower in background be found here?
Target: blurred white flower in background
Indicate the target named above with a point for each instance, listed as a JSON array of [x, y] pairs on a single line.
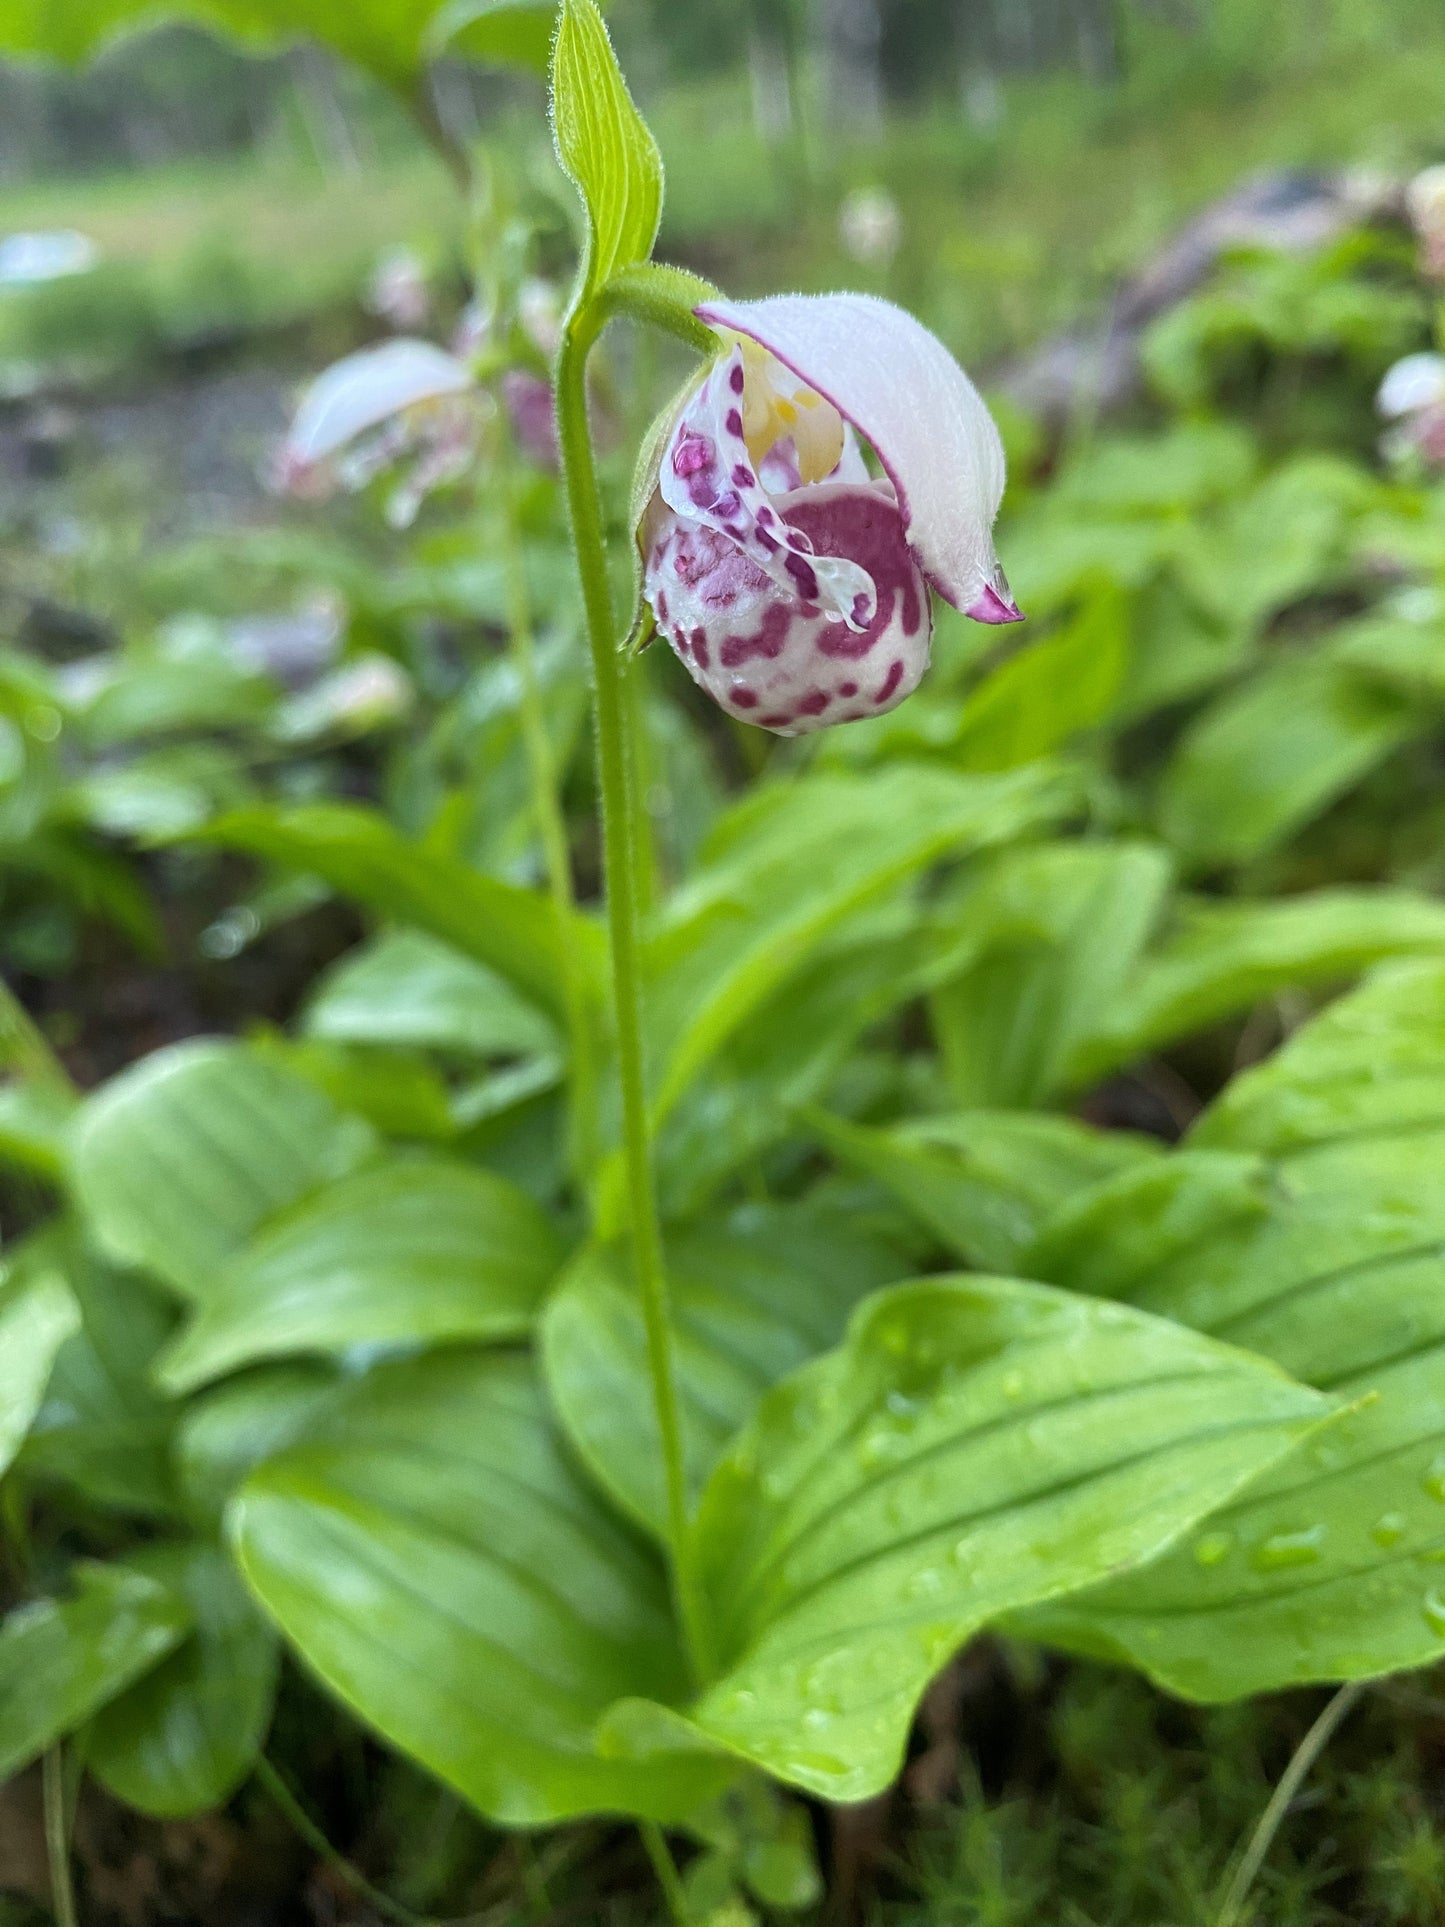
[[28, 258], [1412, 399], [398, 292], [870, 226]]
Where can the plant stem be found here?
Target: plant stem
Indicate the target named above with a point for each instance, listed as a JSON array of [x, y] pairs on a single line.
[[1293, 1777], [584, 1138], [665, 1867], [301, 1820], [617, 784], [57, 1846]]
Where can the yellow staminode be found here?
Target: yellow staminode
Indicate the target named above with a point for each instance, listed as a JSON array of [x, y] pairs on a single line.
[[777, 406]]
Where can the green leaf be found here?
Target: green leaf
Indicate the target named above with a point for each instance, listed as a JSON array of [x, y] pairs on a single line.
[[60, 1660], [101, 1430], [414, 1251], [407, 989], [1268, 756], [1373, 1061], [1223, 957], [509, 33], [433, 1555], [178, 1160], [38, 1313], [1060, 928], [604, 146], [1044, 695], [224, 1433], [977, 1443], [753, 1296], [186, 1735], [388, 36], [356, 851], [985, 1182], [771, 888], [1329, 1567], [33, 1122]]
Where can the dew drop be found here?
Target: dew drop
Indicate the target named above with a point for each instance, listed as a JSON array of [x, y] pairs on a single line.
[[1389, 1529], [1300, 1548], [1434, 1610], [816, 1718], [1213, 1547]]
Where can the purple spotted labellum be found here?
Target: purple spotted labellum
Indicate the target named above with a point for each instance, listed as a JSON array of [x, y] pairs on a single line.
[[791, 582]]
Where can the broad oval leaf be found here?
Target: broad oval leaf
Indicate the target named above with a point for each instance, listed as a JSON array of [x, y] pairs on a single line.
[[434, 1556], [186, 1735], [62, 1659], [406, 988], [1327, 1567], [604, 146], [771, 887], [752, 1296], [179, 1159], [413, 1251], [976, 1444], [38, 1313], [358, 853]]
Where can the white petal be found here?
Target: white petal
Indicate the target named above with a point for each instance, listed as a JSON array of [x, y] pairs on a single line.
[[363, 390], [902, 390], [1417, 381]]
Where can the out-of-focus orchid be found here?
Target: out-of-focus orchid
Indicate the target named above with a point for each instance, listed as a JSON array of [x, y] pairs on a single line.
[[398, 292], [1425, 205], [870, 226], [1412, 399], [372, 408], [791, 582]]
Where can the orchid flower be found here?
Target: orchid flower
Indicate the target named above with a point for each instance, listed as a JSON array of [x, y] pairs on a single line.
[[1412, 399], [791, 582], [1425, 205], [371, 408]]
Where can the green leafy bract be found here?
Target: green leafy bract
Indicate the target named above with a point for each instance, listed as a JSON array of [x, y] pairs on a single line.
[[605, 147]]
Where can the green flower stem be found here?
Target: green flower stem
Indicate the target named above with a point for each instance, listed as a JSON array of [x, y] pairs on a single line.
[[57, 1843], [665, 1867], [617, 782], [584, 1143]]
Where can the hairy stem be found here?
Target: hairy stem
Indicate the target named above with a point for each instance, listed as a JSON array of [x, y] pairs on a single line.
[[584, 1135], [617, 783]]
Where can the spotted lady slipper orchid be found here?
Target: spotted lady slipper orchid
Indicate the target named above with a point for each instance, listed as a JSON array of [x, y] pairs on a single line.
[[792, 583]]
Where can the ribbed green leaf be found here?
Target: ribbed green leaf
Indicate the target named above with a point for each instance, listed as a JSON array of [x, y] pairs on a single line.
[[975, 1444], [414, 1251], [178, 1160], [753, 1296], [434, 1556], [38, 1313]]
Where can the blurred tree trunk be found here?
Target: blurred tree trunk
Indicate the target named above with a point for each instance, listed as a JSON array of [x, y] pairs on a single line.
[[850, 34]]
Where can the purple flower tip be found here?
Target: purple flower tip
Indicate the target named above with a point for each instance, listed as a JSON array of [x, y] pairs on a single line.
[[994, 608]]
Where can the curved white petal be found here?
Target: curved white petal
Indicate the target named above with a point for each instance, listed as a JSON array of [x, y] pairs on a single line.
[[363, 390], [902, 390]]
